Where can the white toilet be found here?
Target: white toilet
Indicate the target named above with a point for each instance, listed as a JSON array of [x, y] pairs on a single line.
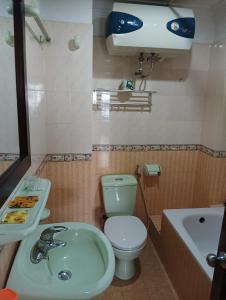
[[126, 232]]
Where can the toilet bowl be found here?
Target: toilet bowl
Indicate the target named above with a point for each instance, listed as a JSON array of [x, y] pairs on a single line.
[[126, 232], [128, 236]]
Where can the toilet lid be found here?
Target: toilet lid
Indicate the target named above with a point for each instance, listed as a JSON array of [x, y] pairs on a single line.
[[125, 232]]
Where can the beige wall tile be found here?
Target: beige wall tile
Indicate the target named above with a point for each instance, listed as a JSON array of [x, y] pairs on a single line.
[[188, 179]]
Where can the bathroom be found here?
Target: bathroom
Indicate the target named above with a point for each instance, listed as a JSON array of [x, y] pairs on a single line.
[[66, 138]]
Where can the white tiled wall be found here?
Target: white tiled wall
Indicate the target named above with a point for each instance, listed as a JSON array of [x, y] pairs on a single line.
[[204, 25], [68, 79], [220, 22], [76, 11], [60, 88], [36, 96], [178, 107], [214, 126], [59, 84], [36, 100], [8, 102]]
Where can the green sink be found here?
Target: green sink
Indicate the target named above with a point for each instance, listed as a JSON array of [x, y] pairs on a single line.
[[82, 269]]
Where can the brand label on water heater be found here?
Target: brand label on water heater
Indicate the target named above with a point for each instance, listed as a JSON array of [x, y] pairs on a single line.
[[184, 27], [120, 23], [175, 26]]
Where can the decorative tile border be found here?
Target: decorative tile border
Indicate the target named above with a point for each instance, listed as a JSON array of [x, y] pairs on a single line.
[[179, 147], [190, 147], [9, 156], [211, 152], [67, 157]]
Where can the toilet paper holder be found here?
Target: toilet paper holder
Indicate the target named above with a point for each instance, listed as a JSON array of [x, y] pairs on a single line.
[[152, 170]]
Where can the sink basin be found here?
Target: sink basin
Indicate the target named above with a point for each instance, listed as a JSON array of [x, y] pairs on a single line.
[[82, 269]]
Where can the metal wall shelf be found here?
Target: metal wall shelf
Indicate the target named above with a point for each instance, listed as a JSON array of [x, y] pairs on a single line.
[[122, 100]]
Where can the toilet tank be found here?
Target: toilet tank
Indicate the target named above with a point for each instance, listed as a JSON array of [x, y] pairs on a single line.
[[119, 194]]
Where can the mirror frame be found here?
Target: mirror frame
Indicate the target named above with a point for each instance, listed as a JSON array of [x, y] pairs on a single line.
[[11, 177]]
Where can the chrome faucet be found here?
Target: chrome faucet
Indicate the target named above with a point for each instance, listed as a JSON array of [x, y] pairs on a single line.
[[45, 243]]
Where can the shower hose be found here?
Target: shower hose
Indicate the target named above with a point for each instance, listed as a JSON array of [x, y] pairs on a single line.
[[138, 176]]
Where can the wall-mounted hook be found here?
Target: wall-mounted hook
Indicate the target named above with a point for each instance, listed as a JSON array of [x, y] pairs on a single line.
[[9, 39], [74, 44]]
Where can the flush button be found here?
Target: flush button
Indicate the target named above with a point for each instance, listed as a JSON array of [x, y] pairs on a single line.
[[119, 179]]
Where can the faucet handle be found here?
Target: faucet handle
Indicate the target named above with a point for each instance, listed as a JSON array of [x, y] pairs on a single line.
[[47, 234]]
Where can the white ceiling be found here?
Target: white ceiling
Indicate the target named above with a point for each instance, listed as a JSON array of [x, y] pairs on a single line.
[[200, 3], [194, 3]]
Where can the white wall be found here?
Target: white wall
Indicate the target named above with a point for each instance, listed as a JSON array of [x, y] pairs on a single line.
[[68, 75], [3, 7], [60, 81], [178, 108], [68, 80], [177, 111], [191, 110], [36, 96], [9, 140], [214, 126], [204, 25], [77, 11], [220, 22], [36, 100], [60, 86]]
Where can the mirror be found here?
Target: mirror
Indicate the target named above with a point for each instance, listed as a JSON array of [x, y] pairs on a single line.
[[9, 138], [15, 156]]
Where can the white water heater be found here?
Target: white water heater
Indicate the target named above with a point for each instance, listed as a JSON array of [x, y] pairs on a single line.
[[135, 28]]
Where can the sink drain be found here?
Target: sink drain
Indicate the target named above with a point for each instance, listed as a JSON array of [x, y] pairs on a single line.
[[64, 275]]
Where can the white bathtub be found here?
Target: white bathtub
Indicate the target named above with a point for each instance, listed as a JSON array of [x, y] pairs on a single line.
[[199, 229]]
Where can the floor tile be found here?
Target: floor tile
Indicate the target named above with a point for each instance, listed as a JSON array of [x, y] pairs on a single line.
[[111, 296], [135, 294], [150, 283]]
